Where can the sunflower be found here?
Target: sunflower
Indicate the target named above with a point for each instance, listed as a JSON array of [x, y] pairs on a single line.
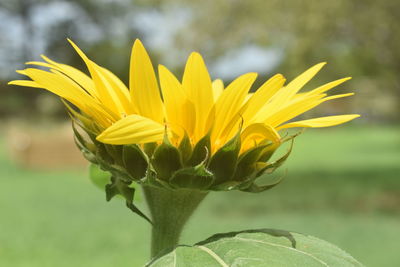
[[193, 133]]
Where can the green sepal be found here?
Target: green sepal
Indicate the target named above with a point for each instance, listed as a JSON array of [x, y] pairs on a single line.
[[166, 160], [99, 177], [102, 153], [223, 163], [254, 188], [149, 148], [79, 137], [226, 186], [151, 179], [197, 177], [115, 152], [134, 161], [271, 167], [246, 164], [85, 122], [88, 149], [291, 137], [262, 170], [120, 187], [201, 151], [185, 148], [267, 154]]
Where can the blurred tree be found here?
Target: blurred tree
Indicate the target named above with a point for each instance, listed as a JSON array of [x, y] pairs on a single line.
[[358, 38], [103, 29]]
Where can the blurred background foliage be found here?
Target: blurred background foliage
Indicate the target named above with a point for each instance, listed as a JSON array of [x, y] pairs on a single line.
[[359, 38], [342, 183]]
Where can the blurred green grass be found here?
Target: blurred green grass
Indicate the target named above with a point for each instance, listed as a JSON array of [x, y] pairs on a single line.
[[342, 185]]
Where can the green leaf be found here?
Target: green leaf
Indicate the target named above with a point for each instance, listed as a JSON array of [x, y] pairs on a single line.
[[166, 160], [134, 161], [99, 177], [223, 163], [257, 248], [193, 177]]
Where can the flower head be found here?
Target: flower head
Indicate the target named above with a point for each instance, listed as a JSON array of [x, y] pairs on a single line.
[[191, 134]]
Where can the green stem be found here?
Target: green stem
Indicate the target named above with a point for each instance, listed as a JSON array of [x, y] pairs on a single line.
[[170, 210]]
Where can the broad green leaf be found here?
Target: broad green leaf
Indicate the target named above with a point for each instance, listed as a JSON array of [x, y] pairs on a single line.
[[257, 248]]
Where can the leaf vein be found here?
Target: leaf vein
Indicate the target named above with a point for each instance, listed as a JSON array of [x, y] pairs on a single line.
[[276, 245], [214, 255]]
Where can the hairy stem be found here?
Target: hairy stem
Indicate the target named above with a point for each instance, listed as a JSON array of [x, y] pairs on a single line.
[[170, 210]]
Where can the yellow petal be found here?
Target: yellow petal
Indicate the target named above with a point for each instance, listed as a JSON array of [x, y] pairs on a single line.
[[25, 83], [320, 122], [120, 92], [179, 110], [290, 111], [133, 129], [106, 94], [197, 86], [143, 84], [248, 97], [300, 107], [286, 93], [230, 103], [337, 96], [217, 87], [294, 86], [69, 90], [79, 77], [256, 132], [254, 108], [58, 85], [101, 116], [328, 86]]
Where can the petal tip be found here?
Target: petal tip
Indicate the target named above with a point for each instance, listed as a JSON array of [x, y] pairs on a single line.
[[100, 137], [23, 72], [195, 55], [137, 44]]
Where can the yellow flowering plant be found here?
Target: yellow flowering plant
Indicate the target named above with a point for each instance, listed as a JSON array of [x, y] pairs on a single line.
[[180, 139]]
